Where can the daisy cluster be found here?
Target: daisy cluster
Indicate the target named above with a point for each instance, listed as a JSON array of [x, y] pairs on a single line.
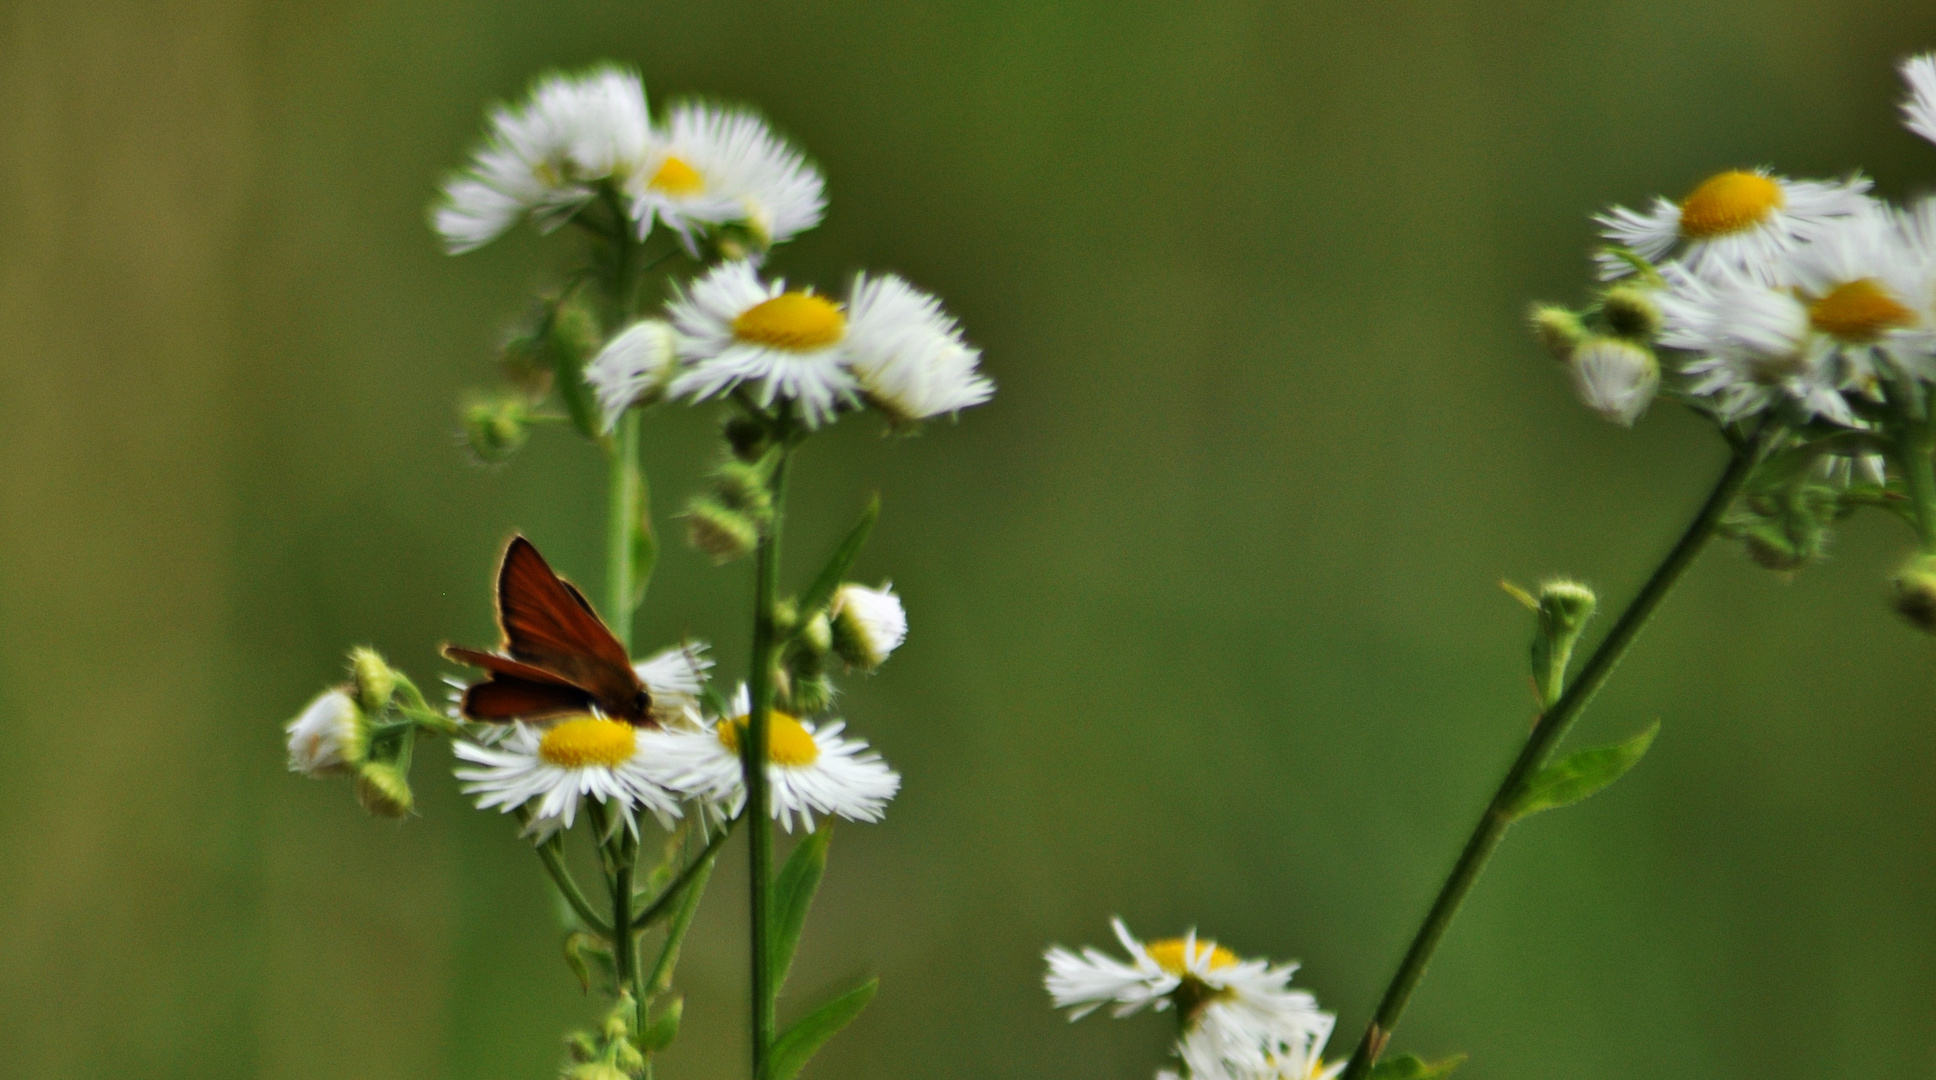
[[585, 149], [1809, 300], [1239, 1019]]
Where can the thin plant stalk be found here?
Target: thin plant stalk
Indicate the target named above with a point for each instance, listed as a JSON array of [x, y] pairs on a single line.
[[753, 753], [623, 512], [1552, 726]]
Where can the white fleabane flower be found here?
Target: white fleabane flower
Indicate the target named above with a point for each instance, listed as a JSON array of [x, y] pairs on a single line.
[[799, 346], [921, 370], [1919, 109], [710, 165], [1209, 1055], [1234, 1001], [1870, 285], [1739, 220], [633, 368], [868, 624], [810, 770], [1754, 347], [553, 769], [1614, 378], [329, 738], [675, 677], [544, 156]]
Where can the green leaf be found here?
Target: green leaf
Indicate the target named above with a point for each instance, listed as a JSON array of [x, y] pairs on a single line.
[[662, 1029], [1580, 774], [793, 893], [797, 1044], [581, 947], [1413, 1067], [822, 589]]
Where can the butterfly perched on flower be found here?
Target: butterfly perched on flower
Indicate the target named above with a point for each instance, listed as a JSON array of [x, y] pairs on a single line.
[[558, 657]]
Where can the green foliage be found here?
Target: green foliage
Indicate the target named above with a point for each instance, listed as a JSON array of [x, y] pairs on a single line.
[[1580, 774], [1413, 1067], [793, 893], [663, 1028], [831, 575], [797, 1044], [645, 543], [581, 949]]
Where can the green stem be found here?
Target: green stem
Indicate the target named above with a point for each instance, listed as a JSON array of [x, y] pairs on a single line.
[[695, 887], [623, 515], [759, 818], [1552, 726], [625, 943], [694, 872]]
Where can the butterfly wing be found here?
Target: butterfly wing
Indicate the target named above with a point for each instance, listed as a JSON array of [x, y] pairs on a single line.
[[549, 626], [515, 690]]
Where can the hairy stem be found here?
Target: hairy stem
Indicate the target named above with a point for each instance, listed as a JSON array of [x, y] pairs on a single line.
[[758, 814], [1546, 734]]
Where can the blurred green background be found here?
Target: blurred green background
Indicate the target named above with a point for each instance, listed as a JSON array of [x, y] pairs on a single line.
[[1206, 623]]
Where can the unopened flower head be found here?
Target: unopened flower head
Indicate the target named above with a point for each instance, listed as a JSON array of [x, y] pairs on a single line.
[[810, 769], [1753, 344], [1919, 109], [553, 769], [544, 157], [1741, 220], [867, 624], [709, 165], [331, 736], [796, 345], [1614, 377], [1241, 1001], [634, 368]]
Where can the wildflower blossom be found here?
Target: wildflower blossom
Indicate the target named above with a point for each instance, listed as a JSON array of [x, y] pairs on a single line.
[[633, 368], [546, 156], [553, 769], [867, 624], [709, 165], [1919, 109], [329, 738], [1753, 345], [1742, 220], [810, 769]]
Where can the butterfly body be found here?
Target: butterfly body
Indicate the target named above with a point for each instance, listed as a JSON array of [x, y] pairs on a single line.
[[558, 657]]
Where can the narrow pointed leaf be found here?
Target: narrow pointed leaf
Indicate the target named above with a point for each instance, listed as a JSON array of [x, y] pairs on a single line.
[[1580, 774], [1413, 1067], [822, 590], [797, 1044], [793, 893]]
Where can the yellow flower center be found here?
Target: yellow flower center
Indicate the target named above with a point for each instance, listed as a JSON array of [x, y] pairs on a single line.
[[588, 740], [1168, 954], [1858, 312], [675, 177], [787, 742], [1729, 202], [792, 320]]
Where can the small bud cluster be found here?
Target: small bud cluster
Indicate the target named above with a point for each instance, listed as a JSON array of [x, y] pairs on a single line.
[[365, 730]]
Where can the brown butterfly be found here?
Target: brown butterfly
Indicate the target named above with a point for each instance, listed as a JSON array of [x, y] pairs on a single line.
[[558, 657]]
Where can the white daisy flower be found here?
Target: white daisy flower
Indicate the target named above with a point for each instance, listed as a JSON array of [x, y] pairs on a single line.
[[1919, 109], [1240, 1001], [868, 624], [633, 368], [799, 346], [1739, 220], [1210, 1055], [921, 371], [1753, 343], [553, 769], [675, 677], [1870, 285], [329, 738], [710, 165], [810, 770], [1614, 378], [545, 156]]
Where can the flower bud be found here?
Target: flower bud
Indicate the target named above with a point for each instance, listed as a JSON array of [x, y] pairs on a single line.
[[496, 427], [742, 487], [747, 437], [1558, 329], [331, 736], [596, 1070], [634, 368], [376, 681], [817, 636], [575, 332], [808, 693], [1631, 313], [1614, 378], [1563, 611], [383, 790], [1916, 592], [723, 533], [868, 624]]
